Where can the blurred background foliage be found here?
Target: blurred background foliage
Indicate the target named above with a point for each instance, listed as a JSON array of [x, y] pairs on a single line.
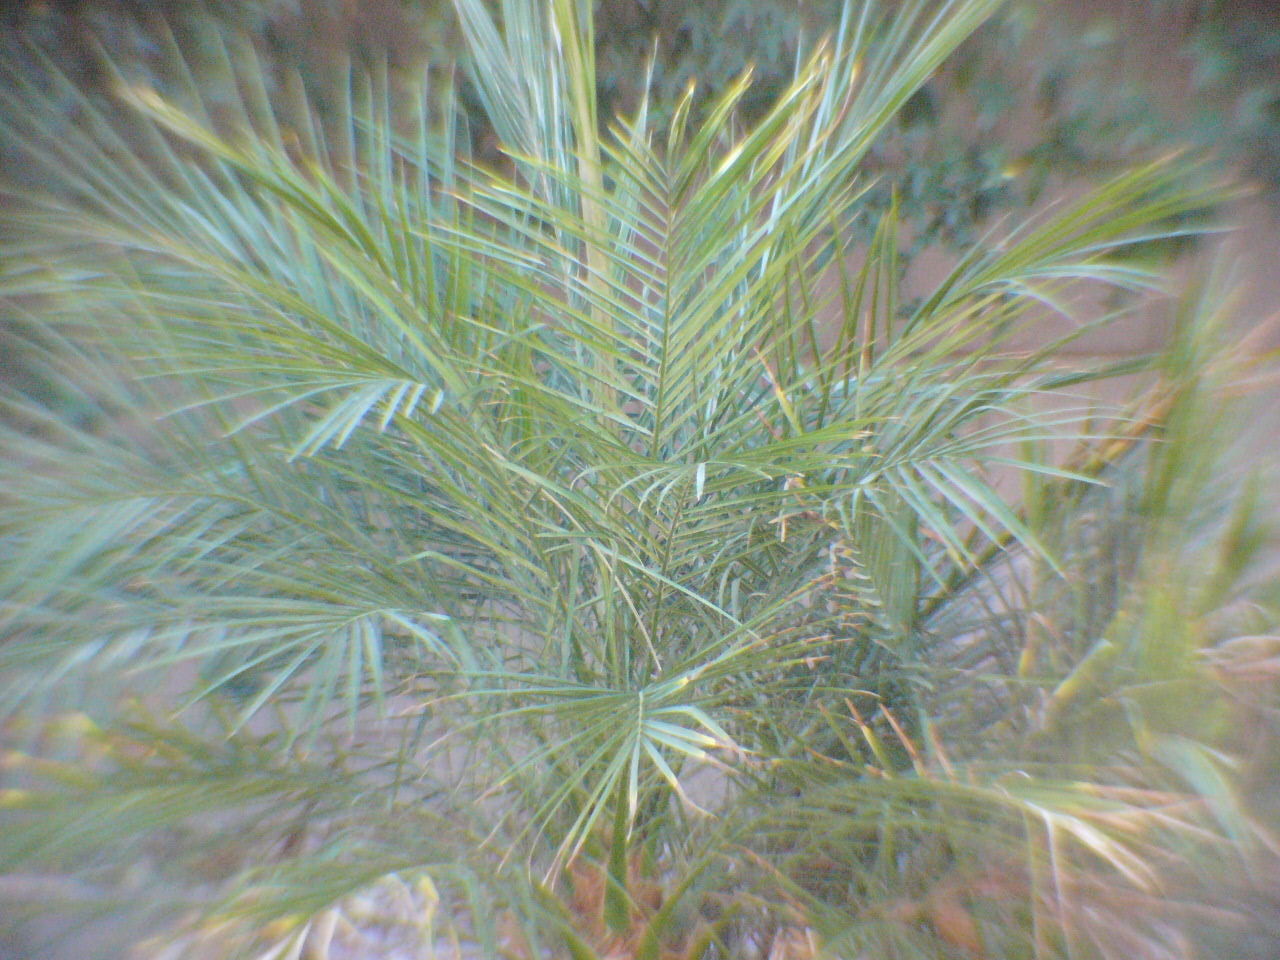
[[1041, 64]]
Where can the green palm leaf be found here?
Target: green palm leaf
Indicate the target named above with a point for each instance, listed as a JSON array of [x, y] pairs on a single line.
[[609, 504]]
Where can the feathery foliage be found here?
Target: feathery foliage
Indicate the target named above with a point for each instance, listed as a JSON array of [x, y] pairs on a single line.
[[597, 553]]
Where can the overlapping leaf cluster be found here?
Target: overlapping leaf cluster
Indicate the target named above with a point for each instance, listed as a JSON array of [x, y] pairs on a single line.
[[606, 508]]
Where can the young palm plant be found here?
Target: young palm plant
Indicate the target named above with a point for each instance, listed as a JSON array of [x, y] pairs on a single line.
[[596, 556]]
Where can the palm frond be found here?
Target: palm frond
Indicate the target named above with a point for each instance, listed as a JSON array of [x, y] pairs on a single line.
[[602, 504]]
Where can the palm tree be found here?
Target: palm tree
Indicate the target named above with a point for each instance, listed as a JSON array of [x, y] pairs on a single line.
[[595, 553]]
